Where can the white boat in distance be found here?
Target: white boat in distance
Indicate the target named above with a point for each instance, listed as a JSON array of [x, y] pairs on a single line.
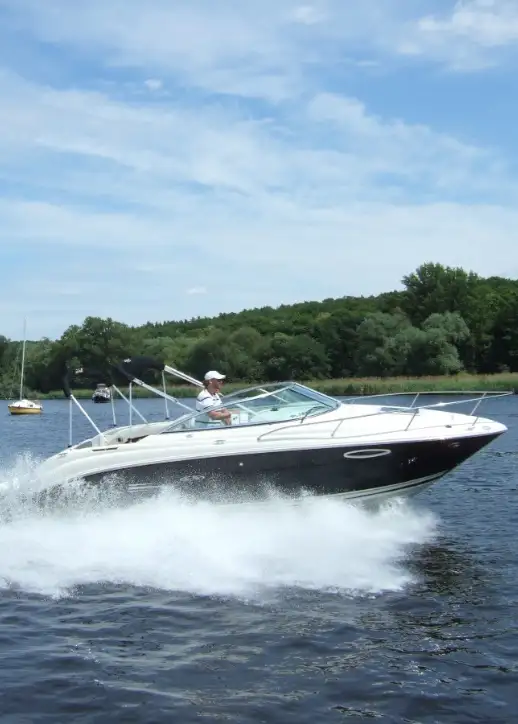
[[284, 437], [102, 393]]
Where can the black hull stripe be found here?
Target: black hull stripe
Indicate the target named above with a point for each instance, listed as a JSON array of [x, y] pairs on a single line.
[[323, 471]]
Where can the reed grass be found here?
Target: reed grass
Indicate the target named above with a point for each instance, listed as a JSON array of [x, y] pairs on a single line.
[[441, 384], [353, 386]]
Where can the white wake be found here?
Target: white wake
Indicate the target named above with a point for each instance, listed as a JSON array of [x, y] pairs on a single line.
[[170, 544]]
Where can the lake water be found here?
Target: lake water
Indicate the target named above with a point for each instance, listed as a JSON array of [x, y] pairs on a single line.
[[174, 612]]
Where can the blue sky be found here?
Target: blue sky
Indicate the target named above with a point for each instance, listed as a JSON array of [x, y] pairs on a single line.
[[164, 159]]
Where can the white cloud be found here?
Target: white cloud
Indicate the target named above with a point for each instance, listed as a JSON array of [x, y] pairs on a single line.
[[252, 49], [172, 179], [469, 37], [129, 151], [221, 47], [262, 49], [407, 151], [153, 84], [308, 14], [487, 22]]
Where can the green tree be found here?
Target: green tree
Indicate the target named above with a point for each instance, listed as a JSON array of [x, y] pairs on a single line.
[[377, 355], [4, 344], [451, 324], [40, 371], [444, 320], [98, 343], [295, 357], [338, 333], [504, 350], [434, 288], [218, 352], [428, 352]]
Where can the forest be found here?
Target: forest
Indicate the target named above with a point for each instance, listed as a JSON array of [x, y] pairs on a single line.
[[444, 321]]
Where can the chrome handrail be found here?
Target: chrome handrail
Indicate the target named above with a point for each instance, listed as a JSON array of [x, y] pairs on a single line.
[[435, 393], [308, 422]]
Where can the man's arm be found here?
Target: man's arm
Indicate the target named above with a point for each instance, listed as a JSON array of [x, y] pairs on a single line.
[[220, 413]]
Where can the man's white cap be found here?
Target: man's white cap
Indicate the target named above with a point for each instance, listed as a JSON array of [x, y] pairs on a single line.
[[213, 375]]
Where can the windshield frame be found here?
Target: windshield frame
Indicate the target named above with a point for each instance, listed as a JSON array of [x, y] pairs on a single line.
[[270, 391]]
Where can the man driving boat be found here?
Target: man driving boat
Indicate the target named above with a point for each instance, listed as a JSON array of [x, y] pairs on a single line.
[[210, 398]]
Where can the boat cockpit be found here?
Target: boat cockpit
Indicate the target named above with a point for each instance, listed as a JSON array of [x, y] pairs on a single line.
[[278, 402]]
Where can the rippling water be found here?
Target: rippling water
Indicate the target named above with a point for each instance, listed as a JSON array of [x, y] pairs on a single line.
[[169, 611]]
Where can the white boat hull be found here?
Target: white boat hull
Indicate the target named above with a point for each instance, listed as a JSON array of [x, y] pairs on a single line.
[[226, 465], [283, 439]]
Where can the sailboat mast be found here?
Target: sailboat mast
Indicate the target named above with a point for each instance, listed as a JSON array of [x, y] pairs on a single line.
[[23, 356]]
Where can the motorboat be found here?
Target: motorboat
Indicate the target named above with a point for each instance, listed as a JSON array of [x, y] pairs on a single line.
[[101, 393], [284, 438]]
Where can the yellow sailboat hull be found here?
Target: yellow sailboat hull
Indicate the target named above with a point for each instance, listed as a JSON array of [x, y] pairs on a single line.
[[24, 410]]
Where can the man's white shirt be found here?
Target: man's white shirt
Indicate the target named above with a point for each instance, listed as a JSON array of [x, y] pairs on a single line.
[[206, 400]]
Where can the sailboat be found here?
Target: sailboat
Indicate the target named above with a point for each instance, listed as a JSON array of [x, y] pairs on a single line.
[[23, 406]]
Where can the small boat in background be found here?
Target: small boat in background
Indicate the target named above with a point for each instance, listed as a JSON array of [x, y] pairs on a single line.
[[102, 393], [23, 406]]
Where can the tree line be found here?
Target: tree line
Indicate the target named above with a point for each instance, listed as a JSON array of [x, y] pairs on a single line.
[[445, 320]]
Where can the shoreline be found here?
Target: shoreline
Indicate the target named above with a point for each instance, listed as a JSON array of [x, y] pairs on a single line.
[[347, 387]]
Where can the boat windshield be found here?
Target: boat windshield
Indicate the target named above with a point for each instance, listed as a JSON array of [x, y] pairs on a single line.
[[261, 405]]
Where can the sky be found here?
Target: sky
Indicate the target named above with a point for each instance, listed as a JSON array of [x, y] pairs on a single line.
[[164, 160]]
